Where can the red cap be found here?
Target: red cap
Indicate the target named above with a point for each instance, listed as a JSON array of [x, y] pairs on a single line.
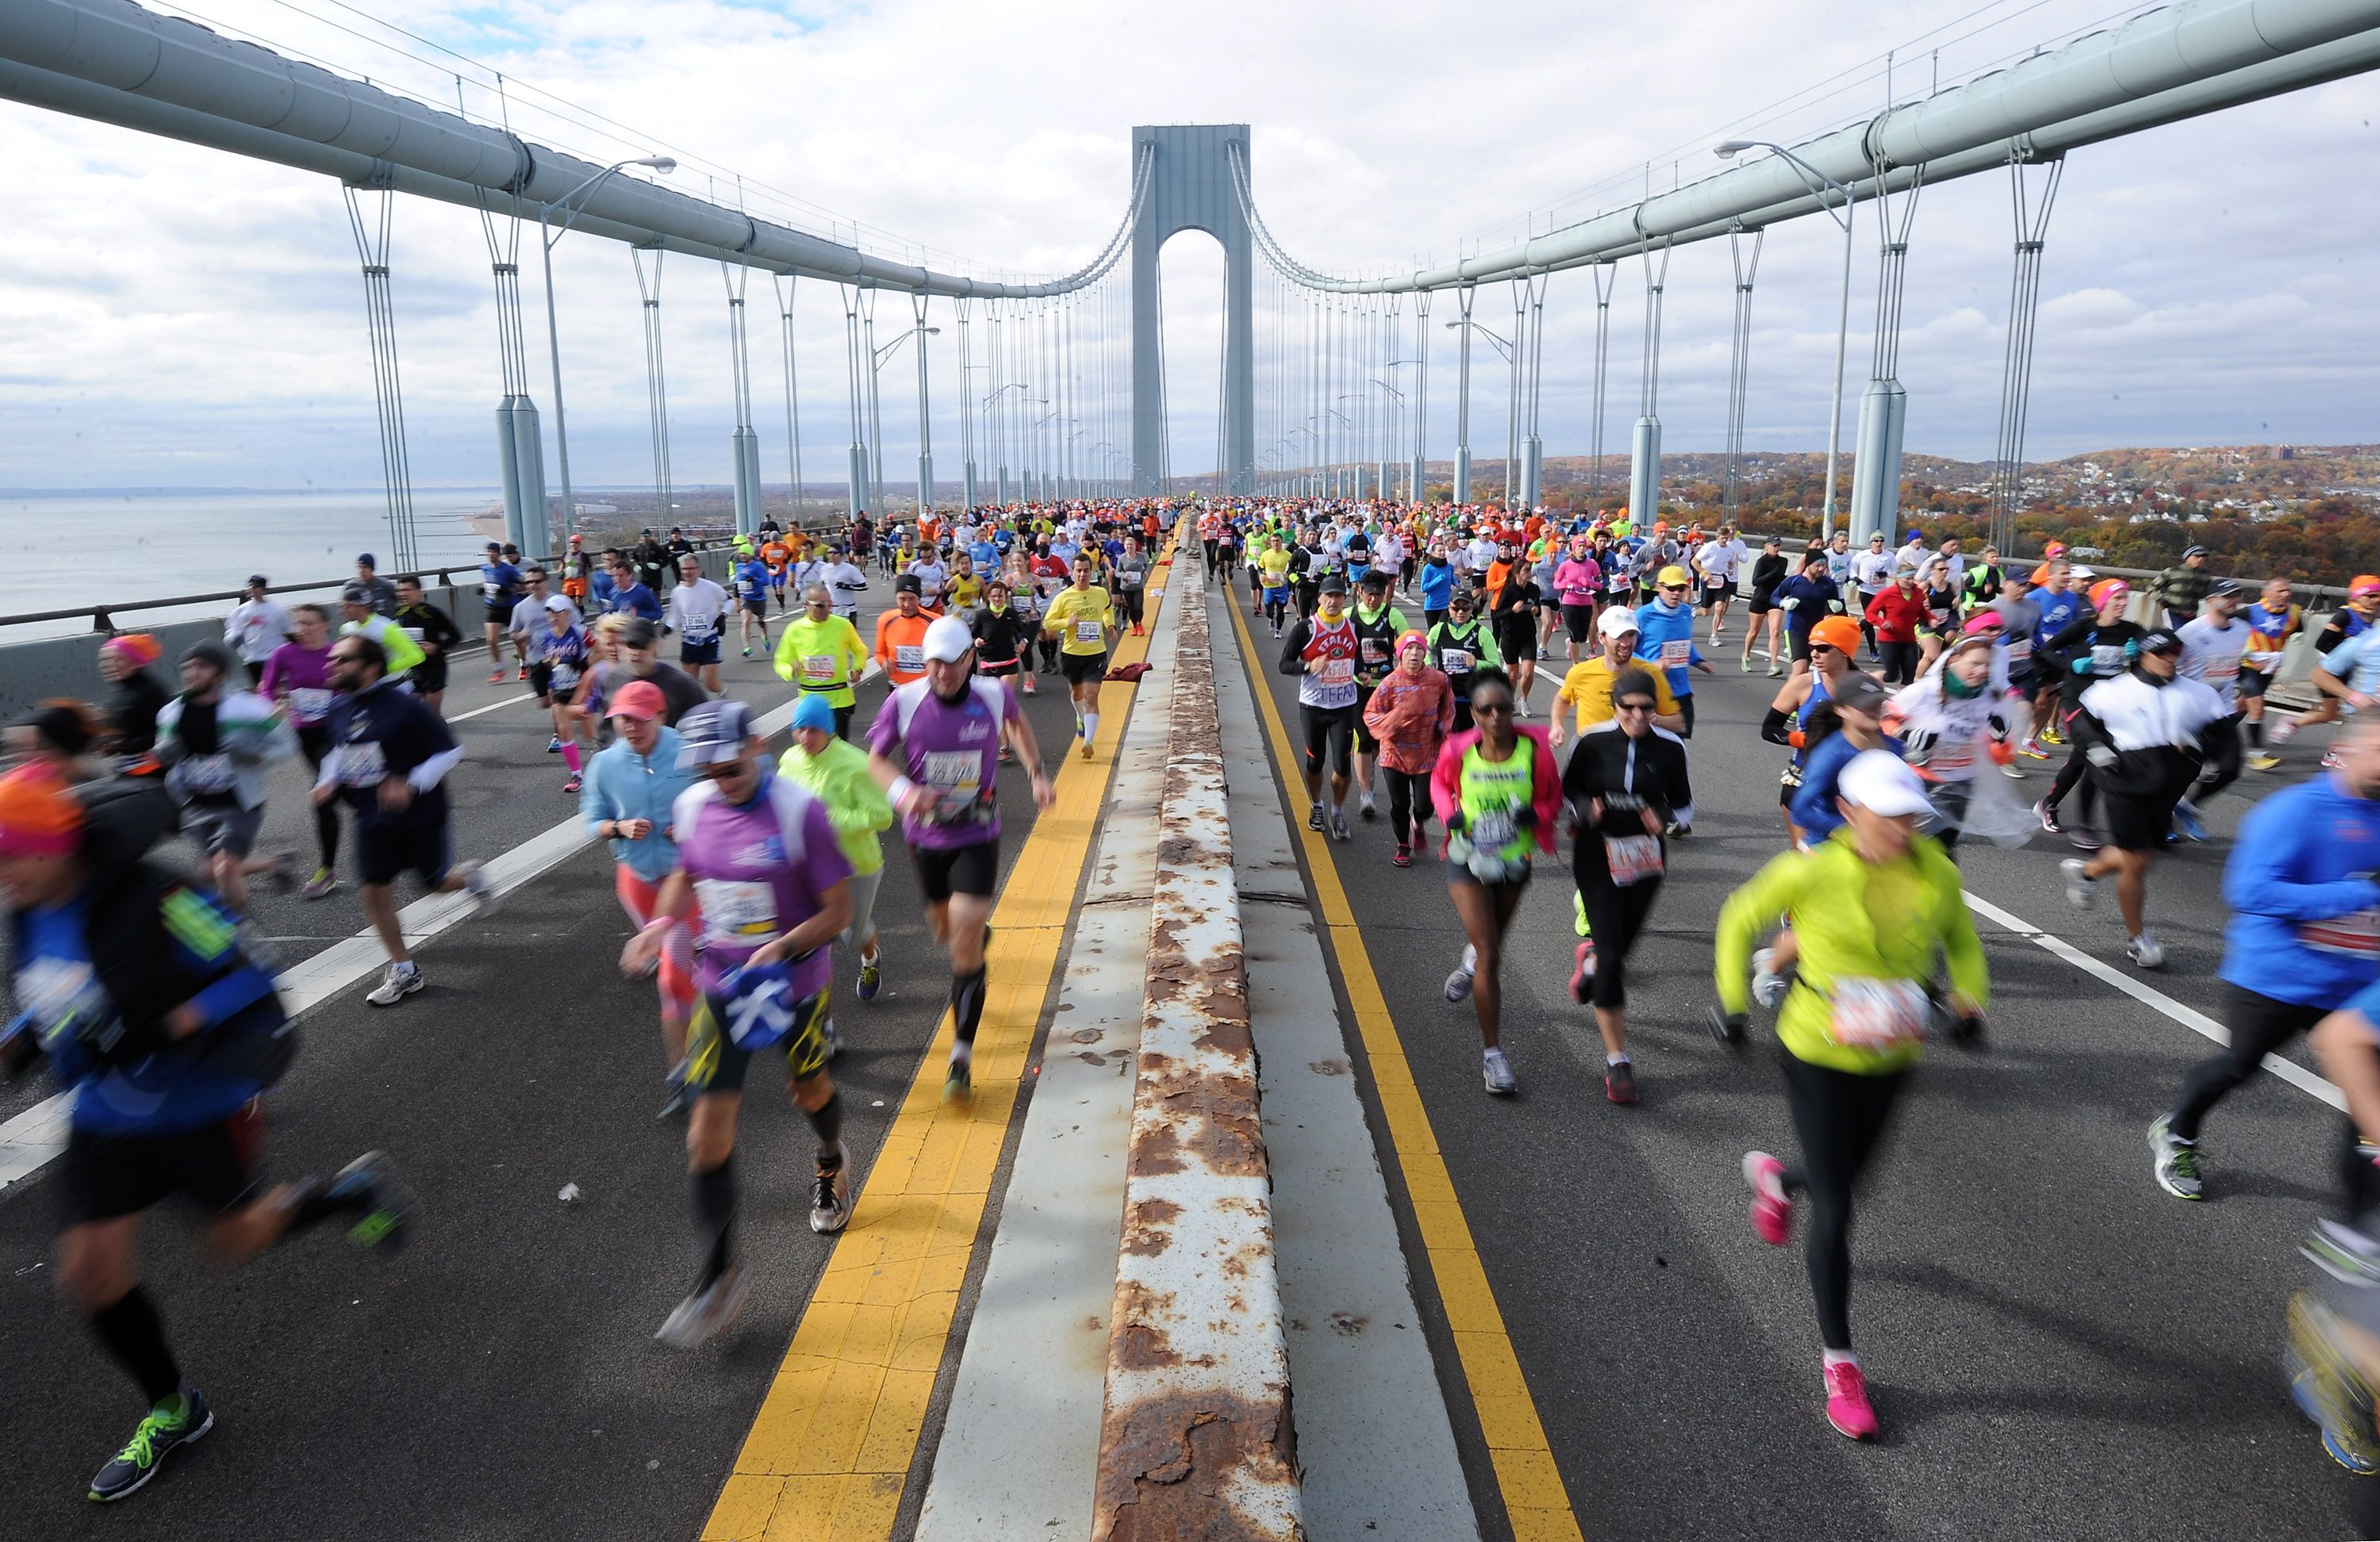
[[639, 698], [39, 816]]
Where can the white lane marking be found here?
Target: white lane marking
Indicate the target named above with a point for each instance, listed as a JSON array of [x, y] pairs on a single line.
[[483, 711], [2290, 1071], [28, 1141]]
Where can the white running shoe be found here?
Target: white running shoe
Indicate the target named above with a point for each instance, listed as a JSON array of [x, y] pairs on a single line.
[[1458, 984], [2145, 952], [707, 1312], [1496, 1071], [396, 982], [2080, 887]]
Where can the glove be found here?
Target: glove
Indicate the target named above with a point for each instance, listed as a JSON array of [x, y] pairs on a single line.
[[1456, 821], [1918, 748], [1524, 817], [2082, 664], [2101, 757], [1790, 604], [1728, 1028], [1794, 739], [2002, 752], [1836, 606]]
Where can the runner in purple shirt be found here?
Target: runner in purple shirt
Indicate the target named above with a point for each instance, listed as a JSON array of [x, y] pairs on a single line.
[[297, 678], [935, 748], [759, 860]]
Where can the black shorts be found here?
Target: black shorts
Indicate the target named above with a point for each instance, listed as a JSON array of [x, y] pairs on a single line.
[[716, 1064], [108, 1177], [2136, 823], [540, 681], [972, 870], [429, 676], [1578, 621], [384, 852], [1329, 730], [1083, 668], [1365, 743], [1760, 604], [695, 655], [1518, 644], [2252, 684], [995, 668], [758, 607], [498, 613]]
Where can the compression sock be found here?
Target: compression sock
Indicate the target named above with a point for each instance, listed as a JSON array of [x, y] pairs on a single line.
[[1090, 727], [129, 1329], [967, 1002], [2256, 732], [714, 1217], [826, 1122], [570, 756]]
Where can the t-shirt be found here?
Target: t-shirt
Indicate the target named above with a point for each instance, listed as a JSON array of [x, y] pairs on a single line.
[[760, 869], [301, 676], [953, 747], [1079, 617]]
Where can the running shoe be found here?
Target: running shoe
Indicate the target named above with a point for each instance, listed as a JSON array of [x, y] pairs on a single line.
[[396, 982], [478, 884], [2330, 760], [1620, 1082], [2344, 1253], [1458, 984], [1747, 663], [1339, 830], [2049, 816], [1402, 856], [2052, 736], [1847, 1404], [1728, 1029], [2081, 889], [2264, 760], [1772, 1208], [1775, 672], [553, 745], [747, 653], [2031, 749], [321, 884], [2327, 1383], [1087, 749], [1767, 984], [871, 978], [960, 1081], [180, 1419], [2283, 732], [831, 1199], [1367, 813], [2013, 772], [1496, 1071], [496, 678], [2176, 1161], [677, 1102], [2145, 952], [2361, 1463], [709, 1312], [1582, 974], [387, 1209], [573, 785], [2186, 817], [522, 673]]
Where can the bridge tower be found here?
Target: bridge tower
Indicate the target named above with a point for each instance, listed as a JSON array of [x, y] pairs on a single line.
[[1190, 188]]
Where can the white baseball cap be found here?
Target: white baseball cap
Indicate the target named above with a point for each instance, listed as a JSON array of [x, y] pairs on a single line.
[[948, 639], [1619, 621], [1881, 782]]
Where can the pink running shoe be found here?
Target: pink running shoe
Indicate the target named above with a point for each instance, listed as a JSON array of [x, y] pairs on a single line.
[[1772, 1208], [1847, 1405], [1582, 974]]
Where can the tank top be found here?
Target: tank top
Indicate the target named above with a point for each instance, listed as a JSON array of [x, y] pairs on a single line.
[[1493, 791]]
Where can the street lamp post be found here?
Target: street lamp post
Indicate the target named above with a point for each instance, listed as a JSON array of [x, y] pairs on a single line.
[[546, 237], [1812, 178], [1513, 364], [1389, 445], [1002, 450], [925, 447]]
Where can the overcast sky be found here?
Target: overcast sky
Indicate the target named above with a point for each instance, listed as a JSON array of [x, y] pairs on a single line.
[[175, 315]]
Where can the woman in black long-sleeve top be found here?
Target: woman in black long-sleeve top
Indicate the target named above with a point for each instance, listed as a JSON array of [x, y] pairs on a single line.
[[1626, 785]]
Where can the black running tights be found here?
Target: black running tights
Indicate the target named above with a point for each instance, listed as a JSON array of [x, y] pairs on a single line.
[[1408, 805], [1839, 1117]]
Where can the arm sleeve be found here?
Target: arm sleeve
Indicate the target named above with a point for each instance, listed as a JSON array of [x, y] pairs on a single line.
[[1292, 649], [2258, 878], [433, 771], [1748, 912], [1777, 726]]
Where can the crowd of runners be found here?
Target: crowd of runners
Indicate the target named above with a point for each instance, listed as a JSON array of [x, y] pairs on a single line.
[[1490, 686]]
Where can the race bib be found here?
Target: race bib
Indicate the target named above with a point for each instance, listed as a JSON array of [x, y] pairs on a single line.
[[735, 911], [1878, 1015], [310, 703], [2355, 935], [956, 775], [414, 633], [566, 678], [1492, 832], [2222, 669], [1631, 858], [208, 773], [1676, 652], [909, 657], [1455, 660], [817, 669], [1375, 651], [1338, 672], [362, 765], [696, 633], [1090, 631], [2019, 650], [1951, 759]]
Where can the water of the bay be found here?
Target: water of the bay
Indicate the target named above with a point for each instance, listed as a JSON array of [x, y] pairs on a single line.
[[111, 549]]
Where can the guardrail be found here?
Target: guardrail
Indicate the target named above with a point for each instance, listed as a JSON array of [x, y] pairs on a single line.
[[1196, 1438]]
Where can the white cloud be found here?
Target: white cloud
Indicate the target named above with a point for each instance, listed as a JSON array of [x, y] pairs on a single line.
[[169, 313]]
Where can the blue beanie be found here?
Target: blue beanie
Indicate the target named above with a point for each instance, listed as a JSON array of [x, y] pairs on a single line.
[[813, 711]]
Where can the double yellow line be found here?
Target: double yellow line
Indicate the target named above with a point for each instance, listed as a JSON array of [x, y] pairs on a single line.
[[1534, 1496], [831, 1450]]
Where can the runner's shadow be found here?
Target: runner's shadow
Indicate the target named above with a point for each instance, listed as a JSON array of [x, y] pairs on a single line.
[[2151, 1363]]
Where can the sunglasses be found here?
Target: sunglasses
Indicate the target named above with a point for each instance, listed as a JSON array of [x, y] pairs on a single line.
[[720, 771], [1490, 709], [1818, 648], [1631, 706]]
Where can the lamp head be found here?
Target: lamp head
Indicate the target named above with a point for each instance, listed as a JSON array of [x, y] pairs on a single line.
[[1731, 149], [662, 163]]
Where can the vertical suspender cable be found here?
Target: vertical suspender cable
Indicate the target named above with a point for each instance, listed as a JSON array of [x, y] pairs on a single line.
[[380, 319]]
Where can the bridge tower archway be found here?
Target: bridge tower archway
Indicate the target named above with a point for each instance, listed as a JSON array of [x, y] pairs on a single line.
[[1190, 188]]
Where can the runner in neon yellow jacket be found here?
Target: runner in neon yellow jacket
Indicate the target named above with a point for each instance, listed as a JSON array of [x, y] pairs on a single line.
[[835, 771]]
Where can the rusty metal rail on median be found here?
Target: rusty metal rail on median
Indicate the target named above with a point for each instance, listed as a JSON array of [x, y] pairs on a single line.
[[1196, 1438]]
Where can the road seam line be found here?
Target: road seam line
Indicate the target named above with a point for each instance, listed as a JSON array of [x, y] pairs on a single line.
[[1536, 1500]]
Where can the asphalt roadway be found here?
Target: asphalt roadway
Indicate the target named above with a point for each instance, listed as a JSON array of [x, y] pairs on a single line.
[[497, 1377], [2053, 1346]]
